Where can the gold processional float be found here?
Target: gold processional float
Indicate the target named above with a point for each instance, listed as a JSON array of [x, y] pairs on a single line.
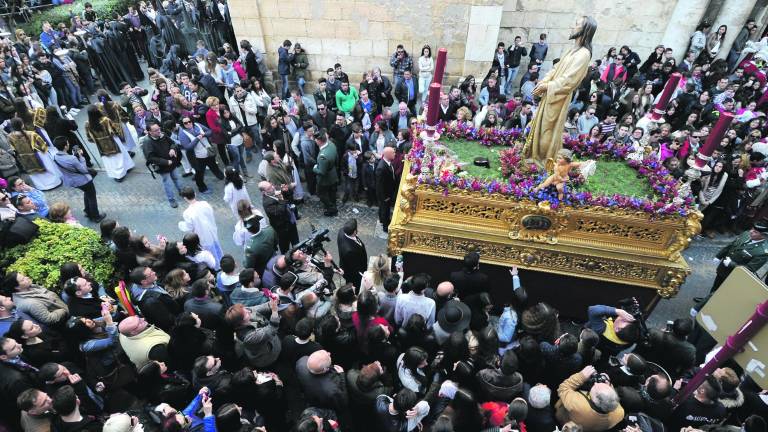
[[621, 245]]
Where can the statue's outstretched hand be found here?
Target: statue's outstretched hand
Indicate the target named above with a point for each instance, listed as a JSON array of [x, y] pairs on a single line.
[[540, 89]]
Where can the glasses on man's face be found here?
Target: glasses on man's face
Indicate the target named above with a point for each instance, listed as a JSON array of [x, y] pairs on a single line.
[[321, 109], [186, 122]]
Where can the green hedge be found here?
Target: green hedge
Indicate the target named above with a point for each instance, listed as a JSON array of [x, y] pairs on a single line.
[[61, 13], [55, 245]]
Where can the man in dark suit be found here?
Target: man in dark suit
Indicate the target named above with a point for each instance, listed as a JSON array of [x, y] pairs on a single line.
[[407, 90], [469, 281], [327, 174], [386, 188], [281, 217], [401, 119], [353, 258], [447, 111], [521, 117]]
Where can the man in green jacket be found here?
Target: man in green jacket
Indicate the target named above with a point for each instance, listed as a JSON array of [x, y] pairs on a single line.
[[749, 250], [261, 246], [327, 176], [346, 98]]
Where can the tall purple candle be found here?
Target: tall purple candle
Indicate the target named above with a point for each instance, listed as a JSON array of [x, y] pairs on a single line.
[[433, 104], [442, 56], [713, 140]]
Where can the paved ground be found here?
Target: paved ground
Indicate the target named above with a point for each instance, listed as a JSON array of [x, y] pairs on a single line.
[[139, 203]]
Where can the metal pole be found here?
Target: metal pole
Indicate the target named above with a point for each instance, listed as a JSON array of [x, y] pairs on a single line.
[[733, 346]]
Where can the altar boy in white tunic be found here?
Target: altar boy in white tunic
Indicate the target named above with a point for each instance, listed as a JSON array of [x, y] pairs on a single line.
[[199, 219]]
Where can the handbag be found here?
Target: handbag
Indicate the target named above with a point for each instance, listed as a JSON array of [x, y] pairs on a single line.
[[247, 141]]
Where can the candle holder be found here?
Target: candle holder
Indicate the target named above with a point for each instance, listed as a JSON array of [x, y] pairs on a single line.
[[694, 171], [429, 135]]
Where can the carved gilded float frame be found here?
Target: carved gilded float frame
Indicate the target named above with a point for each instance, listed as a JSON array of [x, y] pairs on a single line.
[[613, 245]]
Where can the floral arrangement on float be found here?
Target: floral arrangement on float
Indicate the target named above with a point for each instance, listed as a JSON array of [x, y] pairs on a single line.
[[438, 166]]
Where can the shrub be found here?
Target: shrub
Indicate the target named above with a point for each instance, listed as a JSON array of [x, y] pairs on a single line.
[[55, 245], [62, 13]]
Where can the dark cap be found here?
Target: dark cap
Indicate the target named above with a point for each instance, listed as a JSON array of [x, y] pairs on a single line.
[[269, 156], [761, 226]]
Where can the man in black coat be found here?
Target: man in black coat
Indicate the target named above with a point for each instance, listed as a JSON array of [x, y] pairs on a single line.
[[156, 305], [163, 156], [324, 118], [281, 217], [469, 281], [386, 188], [407, 90], [15, 377], [353, 258]]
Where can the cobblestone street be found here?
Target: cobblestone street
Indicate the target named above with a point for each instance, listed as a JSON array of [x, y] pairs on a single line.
[[139, 203]]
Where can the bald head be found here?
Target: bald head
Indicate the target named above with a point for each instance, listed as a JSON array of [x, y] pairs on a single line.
[[132, 326], [319, 362], [265, 186], [388, 153], [403, 107], [444, 289]]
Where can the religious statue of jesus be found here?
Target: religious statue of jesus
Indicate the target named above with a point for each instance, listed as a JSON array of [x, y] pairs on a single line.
[[545, 138]]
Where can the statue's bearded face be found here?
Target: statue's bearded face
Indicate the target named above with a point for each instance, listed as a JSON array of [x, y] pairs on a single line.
[[578, 29]]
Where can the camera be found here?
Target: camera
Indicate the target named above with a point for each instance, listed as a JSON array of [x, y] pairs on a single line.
[[314, 242]]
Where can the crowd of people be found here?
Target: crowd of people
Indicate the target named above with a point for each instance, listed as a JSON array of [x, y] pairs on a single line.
[[286, 338]]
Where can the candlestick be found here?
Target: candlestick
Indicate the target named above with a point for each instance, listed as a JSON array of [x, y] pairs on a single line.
[[433, 104], [669, 88], [442, 56], [713, 140]]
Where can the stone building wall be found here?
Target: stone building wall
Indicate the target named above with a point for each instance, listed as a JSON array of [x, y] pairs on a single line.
[[361, 34], [639, 24]]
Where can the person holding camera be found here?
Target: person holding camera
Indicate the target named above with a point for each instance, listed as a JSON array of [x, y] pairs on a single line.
[[281, 216], [595, 409], [162, 157], [618, 329], [74, 173], [310, 273]]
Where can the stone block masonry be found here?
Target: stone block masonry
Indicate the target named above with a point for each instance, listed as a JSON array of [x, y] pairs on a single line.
[[361, 34]]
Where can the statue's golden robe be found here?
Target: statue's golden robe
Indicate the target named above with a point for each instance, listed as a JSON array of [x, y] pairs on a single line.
[[546, 136]]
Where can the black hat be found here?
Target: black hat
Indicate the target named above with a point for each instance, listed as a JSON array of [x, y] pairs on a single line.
[[761, 226], [454, 316]]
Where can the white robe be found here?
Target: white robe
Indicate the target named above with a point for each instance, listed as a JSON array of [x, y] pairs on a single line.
[[232, 196], [51, 177], [199, 219], [117, 165]]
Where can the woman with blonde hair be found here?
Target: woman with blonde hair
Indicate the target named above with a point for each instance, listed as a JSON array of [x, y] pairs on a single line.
[[379, 269], [213, 118], [177, 283]]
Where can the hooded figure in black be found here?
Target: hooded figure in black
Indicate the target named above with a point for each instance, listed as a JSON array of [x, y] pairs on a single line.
[[172, 64], [168, 31], [107, 63], [118, 41], [156, 51]]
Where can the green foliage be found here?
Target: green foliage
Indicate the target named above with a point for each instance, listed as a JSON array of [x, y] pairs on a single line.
[[56, 244], [616, 177], [467, 151], [610, 177], [62, 13]]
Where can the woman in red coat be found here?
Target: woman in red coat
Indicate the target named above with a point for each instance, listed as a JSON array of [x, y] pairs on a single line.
[[218, 136]]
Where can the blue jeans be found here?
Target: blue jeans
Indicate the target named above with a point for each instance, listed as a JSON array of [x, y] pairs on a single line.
[[255, 132], [170, 180], [300, 81], [284, 79], [511, 74], [236, 157], [424, 88], [74, 92]]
